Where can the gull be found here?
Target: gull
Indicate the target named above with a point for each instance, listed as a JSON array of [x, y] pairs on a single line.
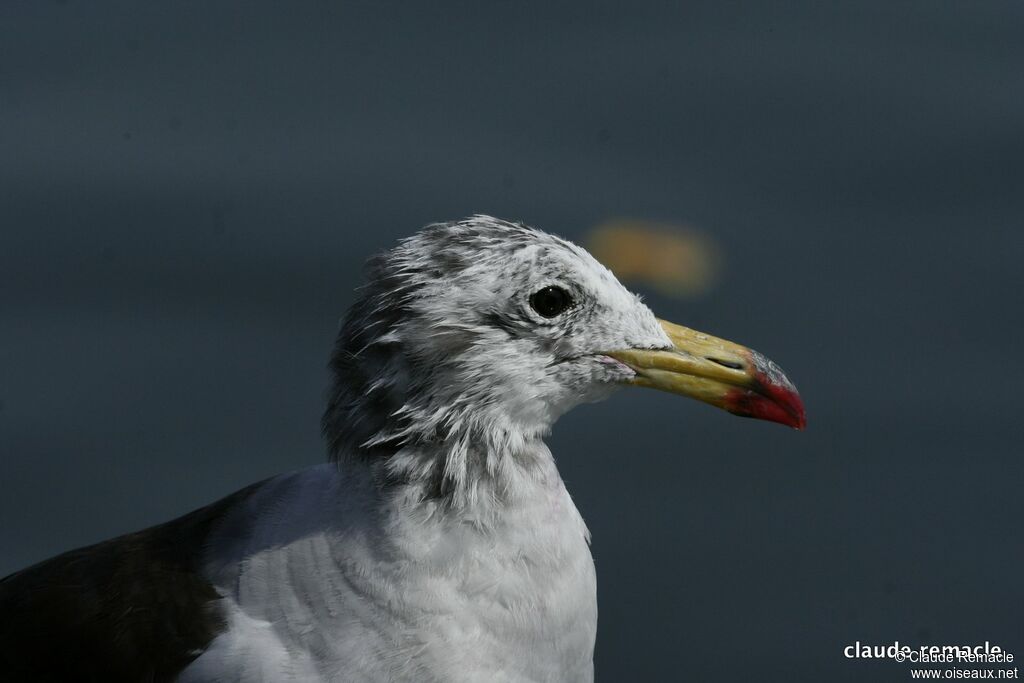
[[438, 543]]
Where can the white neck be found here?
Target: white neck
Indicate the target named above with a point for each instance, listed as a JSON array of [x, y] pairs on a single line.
[[472, 471], [494, 584]]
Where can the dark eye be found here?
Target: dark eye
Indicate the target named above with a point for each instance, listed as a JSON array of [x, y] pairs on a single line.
[[551, 301]]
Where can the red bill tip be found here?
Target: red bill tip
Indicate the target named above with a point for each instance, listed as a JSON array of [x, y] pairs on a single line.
[[773, 397], [776, 404]]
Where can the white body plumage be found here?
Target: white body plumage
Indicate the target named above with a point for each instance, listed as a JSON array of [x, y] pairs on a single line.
[[326, 579]]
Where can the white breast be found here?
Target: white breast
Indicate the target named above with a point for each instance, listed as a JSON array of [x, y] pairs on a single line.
[[325, 579]]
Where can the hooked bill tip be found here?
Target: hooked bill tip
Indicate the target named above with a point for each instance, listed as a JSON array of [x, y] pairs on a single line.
[[773, 398]]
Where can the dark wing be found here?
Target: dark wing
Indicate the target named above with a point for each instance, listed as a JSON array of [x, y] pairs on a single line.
[[134, 608]]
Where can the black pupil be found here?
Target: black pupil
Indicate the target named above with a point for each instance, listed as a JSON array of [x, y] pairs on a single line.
[[551, 301]]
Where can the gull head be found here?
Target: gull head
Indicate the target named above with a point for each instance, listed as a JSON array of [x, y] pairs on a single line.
[[483, 328]]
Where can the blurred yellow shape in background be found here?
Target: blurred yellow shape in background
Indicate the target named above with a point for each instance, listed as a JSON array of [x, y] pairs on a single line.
[[674, 259]]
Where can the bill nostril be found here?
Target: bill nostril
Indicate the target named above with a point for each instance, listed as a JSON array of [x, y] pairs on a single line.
[[732, 365]]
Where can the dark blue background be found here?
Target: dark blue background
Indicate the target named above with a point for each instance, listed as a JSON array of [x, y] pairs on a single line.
[[188, 189]]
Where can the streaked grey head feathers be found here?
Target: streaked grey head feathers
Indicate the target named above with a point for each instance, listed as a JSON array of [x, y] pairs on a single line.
[[443, 344]]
